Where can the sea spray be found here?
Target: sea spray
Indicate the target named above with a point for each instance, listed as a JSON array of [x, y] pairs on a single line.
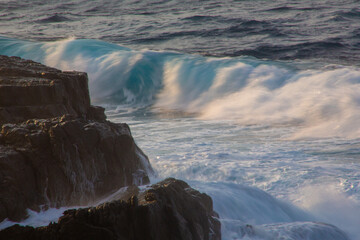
[[329, 204]]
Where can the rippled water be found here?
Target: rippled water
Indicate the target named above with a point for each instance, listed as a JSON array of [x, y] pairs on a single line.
[[278, 30]]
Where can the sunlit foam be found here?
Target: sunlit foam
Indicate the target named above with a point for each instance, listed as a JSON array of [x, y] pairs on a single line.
[[54, 54], [169, 96], [325, 103]]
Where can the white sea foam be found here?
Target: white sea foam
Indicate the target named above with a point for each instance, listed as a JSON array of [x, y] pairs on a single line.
[[322, 103], [37, 219], [224, 159]]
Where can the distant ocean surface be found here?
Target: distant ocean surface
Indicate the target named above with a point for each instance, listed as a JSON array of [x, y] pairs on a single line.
[[256, 103]]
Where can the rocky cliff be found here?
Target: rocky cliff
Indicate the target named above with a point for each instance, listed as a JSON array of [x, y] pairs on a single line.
[[55, 148]]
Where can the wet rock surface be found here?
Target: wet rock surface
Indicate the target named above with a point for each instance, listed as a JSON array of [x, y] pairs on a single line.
[[167, 210]]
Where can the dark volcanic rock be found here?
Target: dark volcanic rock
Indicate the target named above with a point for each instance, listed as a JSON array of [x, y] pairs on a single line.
[[55, 148], [168, 210], [31, 90]]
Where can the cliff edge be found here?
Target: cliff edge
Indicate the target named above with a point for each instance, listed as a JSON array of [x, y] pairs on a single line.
[[31, 90]]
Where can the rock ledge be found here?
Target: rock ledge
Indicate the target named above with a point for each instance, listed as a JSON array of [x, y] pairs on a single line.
[[167, 210]]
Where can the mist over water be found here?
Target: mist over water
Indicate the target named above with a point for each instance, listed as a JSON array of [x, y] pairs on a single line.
[[255, 103]]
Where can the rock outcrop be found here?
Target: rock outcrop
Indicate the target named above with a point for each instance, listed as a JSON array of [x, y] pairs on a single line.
[[58, 150], [55, 148], [31, 90], [167, 210], [65, 161]]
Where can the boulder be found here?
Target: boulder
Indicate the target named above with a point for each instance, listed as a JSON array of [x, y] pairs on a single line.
[[167, 210]]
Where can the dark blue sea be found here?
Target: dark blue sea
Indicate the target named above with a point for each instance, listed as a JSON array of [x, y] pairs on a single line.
[[256, 103]]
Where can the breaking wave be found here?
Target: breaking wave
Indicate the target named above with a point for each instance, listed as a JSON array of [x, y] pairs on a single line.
[[322, 102]]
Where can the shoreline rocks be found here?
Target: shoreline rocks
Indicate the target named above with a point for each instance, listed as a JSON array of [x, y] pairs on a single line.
[[167, 210], [65, 161], [56, 149]]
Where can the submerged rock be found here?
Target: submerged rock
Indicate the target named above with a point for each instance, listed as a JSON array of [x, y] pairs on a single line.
[[167, 210]]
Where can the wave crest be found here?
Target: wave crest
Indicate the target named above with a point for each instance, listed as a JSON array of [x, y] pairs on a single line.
[[324, 102]]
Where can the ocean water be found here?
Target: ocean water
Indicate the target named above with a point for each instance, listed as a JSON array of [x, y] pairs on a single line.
[[255, 103]]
